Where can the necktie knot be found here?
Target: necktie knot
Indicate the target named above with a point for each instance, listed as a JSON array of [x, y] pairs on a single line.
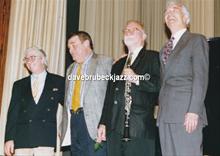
[[170, 42], [79, 70], [172, 38]]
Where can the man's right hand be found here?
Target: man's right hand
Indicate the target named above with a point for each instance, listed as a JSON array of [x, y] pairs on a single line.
[[9, 148], [101, 133]]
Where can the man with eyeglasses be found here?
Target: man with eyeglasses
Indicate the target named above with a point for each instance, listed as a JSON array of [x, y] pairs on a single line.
[[31, 121], [127, 120]]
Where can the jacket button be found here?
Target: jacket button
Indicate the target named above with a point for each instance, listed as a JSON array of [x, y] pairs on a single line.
[[43, 120], [48, 109], [116, 89], [30, 121], [24, 111], [115, 102], [52, 98]]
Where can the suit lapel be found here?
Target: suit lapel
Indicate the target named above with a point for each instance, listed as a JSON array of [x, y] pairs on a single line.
[[91, 71], [137, 60], [68, 75], [175, 52], [46, 89], [161, 59], [27, 88]]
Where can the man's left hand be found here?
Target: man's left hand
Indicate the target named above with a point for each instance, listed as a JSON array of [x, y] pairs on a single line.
[[191, 122]]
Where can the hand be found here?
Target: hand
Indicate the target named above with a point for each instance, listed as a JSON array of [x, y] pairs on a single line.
[[101, 133], [130, 75], [59, 135], [191, 122], [9, 148]]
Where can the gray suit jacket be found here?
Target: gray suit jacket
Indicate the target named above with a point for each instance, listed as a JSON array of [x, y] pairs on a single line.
[[184, 80], [94, 94]]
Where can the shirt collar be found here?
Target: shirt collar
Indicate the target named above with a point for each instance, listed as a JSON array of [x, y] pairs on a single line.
[[39, 76], [177, 36], [87, 59], [135, 53]]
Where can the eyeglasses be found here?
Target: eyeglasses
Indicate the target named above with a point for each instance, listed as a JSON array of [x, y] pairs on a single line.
[[30, 58], [131, 30]]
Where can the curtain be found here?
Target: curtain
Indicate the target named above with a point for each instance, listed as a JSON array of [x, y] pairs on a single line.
[[4, 24], [105, 19], [217, 19], [202, 16], [39, 23]]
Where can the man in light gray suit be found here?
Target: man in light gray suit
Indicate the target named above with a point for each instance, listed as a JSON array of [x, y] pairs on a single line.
[[184, 73], [84, 96]]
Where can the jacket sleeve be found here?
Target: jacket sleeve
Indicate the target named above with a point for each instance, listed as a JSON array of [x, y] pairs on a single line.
[[107, 104], [13, 113], [200, 67]]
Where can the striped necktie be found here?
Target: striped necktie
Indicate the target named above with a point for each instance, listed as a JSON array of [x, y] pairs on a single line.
[[76, 89], [35, 88]]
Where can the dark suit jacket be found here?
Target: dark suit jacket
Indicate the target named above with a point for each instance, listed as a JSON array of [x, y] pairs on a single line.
[[184, 80], [29, 124], [144, 97]]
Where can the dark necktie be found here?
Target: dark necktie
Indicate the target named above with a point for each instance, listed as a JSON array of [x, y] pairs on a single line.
[[129, 59], [167, 50]]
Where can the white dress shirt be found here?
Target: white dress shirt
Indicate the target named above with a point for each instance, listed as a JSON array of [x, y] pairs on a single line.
[[135, 54], [177, 36]]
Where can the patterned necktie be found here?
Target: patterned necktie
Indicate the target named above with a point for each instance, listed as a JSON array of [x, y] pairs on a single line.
[[35, 88], [167, 50], [76, 90]]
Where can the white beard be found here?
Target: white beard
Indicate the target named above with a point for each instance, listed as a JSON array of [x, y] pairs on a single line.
[[129, 41]]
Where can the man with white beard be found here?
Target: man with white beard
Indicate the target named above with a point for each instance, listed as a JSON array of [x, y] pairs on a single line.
[[131, 131]]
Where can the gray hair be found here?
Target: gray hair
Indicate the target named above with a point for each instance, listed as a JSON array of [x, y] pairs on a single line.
[[38, 51], [184, 9], [186, 13]]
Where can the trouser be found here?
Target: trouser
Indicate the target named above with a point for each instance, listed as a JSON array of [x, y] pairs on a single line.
[[175, 141], [134, 147], [38, 151], [81, 142]]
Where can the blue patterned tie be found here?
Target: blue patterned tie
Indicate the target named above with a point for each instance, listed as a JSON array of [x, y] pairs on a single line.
[[167, 50]]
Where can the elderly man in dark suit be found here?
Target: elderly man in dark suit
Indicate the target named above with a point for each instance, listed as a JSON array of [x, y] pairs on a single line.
[[184, 72], [31, 122], [127, 117]]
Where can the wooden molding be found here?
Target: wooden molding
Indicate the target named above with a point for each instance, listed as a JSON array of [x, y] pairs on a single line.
[[4, 25]]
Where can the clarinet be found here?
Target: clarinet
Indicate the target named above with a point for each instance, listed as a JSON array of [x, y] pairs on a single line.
[[128, 101]]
